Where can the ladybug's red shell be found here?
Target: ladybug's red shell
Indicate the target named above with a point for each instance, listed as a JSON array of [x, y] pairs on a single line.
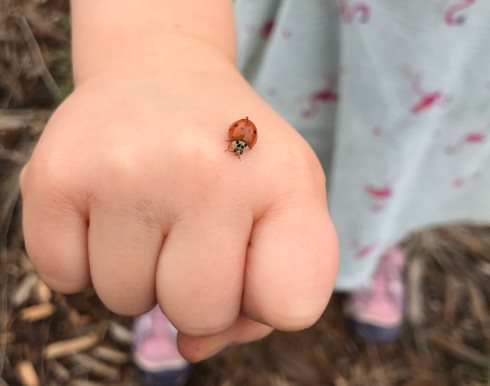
[[243, 130]]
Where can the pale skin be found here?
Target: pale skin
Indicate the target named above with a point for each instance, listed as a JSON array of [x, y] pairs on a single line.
[[129, 189]]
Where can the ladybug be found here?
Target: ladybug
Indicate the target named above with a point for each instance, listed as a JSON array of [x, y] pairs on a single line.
[[242, 135]]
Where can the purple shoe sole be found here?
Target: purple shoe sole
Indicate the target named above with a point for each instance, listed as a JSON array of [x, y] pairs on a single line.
[[374, 334], [164, 378]]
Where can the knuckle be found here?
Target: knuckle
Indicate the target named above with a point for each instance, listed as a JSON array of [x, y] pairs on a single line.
[[50, 178], [122, 163], [64, 286], [126, 306], [57, 278], [201, 328], [138, 300], [292, 317], [120, 172]]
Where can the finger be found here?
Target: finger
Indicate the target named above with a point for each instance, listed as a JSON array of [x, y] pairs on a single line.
[[200, 271], [244, 330], [124, 243], [291, 265], [55, 232]]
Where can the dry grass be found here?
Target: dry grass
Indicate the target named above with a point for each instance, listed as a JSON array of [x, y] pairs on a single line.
[[52, 339]]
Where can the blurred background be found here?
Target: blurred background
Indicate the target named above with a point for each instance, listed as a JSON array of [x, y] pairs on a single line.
[[51, 339]]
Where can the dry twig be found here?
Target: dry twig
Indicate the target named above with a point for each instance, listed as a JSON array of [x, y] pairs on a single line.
[[61, 372], [37, 312], [120, 333], [478, 306], [23, 290], [451, 298], [71, 346], [111, 355], [96, 367], [458, 350], [27, 373], [415, 296]]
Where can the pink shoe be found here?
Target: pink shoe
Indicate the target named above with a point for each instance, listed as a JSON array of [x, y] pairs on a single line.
[[375, 313], [155, 351]]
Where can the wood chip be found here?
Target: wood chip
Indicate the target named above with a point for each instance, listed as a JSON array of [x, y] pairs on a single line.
[[110, 354], [23, 290], [83, 382], [70, 346], [120, 333], [37, 312], [60, 372], [96, 367], [76, 319], [43, 293], [478, 306], [27, 373], [457, 349], [451, 298], [341, 381], [415, 274], [484, 267]]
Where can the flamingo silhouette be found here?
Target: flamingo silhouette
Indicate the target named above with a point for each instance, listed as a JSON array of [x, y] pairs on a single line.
[[327, 94], [469, 139], [267, 28], [451, 16], [379, 193], [348, 13], [426, 99], [365, 250]]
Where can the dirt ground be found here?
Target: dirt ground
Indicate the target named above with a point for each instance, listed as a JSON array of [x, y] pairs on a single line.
[[52, 339]]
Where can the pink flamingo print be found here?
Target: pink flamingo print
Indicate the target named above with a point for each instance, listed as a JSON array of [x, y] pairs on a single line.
[[348, 13], [327, 94], [472, 138], [267, 28], [459, 182], [362, 250], [380, 194], [451, 16], [427, 100], [365, 251], [377, 131]]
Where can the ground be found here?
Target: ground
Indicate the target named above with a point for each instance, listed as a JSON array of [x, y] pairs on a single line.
[[52, 339]]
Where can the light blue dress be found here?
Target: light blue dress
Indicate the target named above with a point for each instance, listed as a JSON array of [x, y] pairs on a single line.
[[394, 96]]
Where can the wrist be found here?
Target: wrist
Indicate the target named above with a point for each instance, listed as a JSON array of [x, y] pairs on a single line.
[[115, 33], [170, 53]]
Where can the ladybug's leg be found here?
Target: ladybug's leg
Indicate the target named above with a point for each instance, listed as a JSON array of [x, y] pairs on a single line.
[[229, 146]]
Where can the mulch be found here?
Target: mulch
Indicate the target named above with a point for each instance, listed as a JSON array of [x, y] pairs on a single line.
[[52, 339]]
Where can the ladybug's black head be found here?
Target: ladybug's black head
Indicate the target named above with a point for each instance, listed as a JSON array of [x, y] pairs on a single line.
[[239, 147]]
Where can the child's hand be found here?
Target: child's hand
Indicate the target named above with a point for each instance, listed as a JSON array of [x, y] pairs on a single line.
[[130, 188]]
